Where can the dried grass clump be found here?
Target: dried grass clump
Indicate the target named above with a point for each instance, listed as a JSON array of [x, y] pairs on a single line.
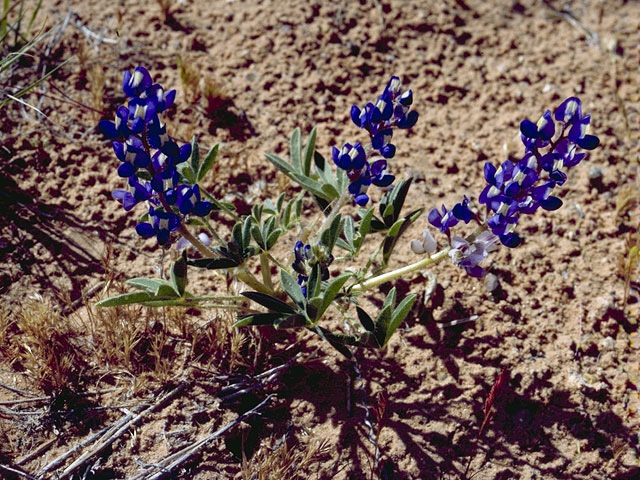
[[276, 459], [47, 346], [190, 79]]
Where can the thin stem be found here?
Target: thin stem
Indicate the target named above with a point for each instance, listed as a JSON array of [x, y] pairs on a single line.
[[250, 280], [222, 207], [334, 211], [414, 267], [195, 241], [212, 231], [265, 267]]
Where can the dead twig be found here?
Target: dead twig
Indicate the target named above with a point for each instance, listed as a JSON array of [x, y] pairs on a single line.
[[172, 462], [113, 433], [17, 472]]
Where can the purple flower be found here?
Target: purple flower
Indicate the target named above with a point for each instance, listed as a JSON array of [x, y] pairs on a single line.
[[161, 226], [306, 257], [133, 84], [136, 194], [469, 255], [443, 220]]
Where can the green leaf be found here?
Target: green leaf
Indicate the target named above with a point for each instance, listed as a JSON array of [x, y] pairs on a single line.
[[339, 342], [382, 324], [399, 314], [309, 148], [399, 195], [125, 299], [280, 201], [246, 234], [310, 185], [213, 263], [273, 238], [236, 233], [279, 163], [257, 236], [296, 151], [149, 284], [365, 320], [391, 241], [345, 246], [330, 235], [179, 274], [391, 298], [331, 292], [292, 321], [315, 282], [290, 285], [257, 319], [395, 228], [195, 155], [365, 223], [209, 161], [349, 230], [272, 303]]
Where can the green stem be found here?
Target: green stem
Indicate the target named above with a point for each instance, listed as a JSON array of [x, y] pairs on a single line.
[[247, 277], [265, 267], [195, 241], [414, 267], [222, 207], [339, 203], [213, 232]]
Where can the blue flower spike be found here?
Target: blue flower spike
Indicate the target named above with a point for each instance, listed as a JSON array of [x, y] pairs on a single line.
[[520, 188], [141, 143], [392, 109]]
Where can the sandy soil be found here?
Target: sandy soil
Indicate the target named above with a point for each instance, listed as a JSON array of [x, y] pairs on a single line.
[[557, 324]]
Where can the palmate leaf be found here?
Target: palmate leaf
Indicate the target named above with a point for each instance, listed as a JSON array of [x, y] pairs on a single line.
[[255, 319]]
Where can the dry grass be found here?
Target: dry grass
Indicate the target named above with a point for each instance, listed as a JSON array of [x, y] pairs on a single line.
[[48, 347], [277, 459]]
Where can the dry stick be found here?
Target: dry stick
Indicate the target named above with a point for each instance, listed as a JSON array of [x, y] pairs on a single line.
[[37, 452], [62, 458], [115, 432], [24, 393], [173, 461], [17, 472]]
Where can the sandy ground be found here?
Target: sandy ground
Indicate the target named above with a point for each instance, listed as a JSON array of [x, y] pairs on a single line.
[[557, 324]]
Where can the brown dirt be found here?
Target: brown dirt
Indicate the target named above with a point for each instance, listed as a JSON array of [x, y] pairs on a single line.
[[558, 324]]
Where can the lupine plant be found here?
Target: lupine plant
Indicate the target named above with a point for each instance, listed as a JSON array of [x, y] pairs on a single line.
[[321, 274]]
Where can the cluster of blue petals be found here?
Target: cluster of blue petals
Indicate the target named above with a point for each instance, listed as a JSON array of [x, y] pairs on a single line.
[[306, 258], [141, 143], [516, 188], [391, 109]]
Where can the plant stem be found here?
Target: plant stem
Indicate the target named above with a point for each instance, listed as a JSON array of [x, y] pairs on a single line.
[[265, 267], [247, 277], [212, 231], [334, 211], [414, 267], [195, 241], [217, 203]]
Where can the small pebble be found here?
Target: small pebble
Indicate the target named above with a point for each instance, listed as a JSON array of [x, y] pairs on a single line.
[[491, 282]]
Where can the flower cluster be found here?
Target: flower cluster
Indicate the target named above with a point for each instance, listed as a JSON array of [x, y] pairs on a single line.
[[306, 257], [516, 188], [523, 187], [150, 158], [367, 166]]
